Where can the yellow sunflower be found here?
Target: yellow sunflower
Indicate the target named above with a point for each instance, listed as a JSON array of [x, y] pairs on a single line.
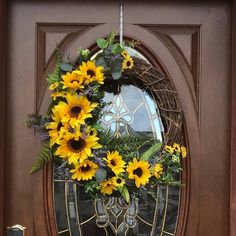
[[84, 171], [73, 80], [76, 110], [183, 151], [91, 72], [77, 149], [89, 131], [127, 63], [67, 132], [118, 181], [58, 94], [169, 149], [115, 162], [158, 170], [53, 86], [176, 147], [124, 54], [108, 186], [139, 171], [55, 127]]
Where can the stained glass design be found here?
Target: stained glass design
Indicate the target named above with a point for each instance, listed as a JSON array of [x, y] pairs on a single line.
[[127, 111]]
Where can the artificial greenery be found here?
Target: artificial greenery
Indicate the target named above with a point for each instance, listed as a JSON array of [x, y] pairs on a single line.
[[45, 155], [71, 131]]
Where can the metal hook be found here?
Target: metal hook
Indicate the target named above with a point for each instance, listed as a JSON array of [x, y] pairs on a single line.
[[121, 21]]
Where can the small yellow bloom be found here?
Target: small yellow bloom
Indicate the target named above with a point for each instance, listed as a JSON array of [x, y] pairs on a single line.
[[73, 80], [90, 72], [108, 186], [176, 147], [158, 170], [139, 171], [127, 63], [84, 171], [55, 127], [124, 54], [183, 151], [118, 181], [58, 94], [53, 86], [115, 162], [169, 149]]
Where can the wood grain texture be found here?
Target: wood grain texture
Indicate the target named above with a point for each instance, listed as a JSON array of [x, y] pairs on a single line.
[[210, 167], [233, 129], [42, 67], [191, 71], [2, 108]]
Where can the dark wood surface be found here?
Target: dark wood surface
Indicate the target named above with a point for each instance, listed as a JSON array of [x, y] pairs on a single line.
[[209, 202], [233, 129], [2, 106]]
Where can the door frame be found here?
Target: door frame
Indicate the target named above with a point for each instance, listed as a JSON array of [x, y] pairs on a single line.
[[233, 128], [3, 54], [3, 95]]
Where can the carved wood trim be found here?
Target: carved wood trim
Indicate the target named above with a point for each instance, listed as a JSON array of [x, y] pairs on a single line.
[[233, 128], [191, 71], [3, 43], [43, 68], [44, 218]]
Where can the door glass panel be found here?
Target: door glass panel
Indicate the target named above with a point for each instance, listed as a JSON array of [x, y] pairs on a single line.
[[132, 110]]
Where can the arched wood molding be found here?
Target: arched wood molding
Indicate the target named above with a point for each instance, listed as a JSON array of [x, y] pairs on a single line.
[[42, 66]]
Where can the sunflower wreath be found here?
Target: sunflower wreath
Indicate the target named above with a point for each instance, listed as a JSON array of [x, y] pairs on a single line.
[[72, 134]]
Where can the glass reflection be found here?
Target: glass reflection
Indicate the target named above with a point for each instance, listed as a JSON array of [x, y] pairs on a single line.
[[132, 111]]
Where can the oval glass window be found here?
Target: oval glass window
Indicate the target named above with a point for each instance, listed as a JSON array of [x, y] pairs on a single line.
[[132, 110]]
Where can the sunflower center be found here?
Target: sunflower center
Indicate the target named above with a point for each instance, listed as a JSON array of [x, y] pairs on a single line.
[[75, 110], [85, 168], [113, 162], [90, 73], [76, 145], [59, 126], [118, 181], [128, 63], [74, 80], [138, 172], [91, 132]]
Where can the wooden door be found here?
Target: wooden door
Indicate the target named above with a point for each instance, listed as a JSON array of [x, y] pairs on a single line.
[[191, 41]]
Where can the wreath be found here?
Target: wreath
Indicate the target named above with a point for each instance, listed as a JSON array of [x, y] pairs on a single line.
[[72, 134]]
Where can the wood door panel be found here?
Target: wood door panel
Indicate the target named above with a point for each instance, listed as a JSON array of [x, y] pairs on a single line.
[[201, 76]]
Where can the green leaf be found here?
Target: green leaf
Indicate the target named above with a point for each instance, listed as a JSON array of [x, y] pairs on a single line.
[[151, 151], [55, 75], [116, 75], [116, 49], [98, 127], [44, 156], [102, 43], [124, 192], [116, 69], [66, 67], [100, 175], [111, 37], [100, 61]]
